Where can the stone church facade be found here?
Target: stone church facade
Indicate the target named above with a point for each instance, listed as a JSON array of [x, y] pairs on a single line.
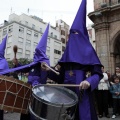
[[106, 19]]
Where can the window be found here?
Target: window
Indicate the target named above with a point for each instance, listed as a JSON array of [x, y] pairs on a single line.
[[8, 50], [21, 29], [63, 40], [40, 29], [33, 26], [27, 52], [51, 34], [29, 32], [35, 34], [9, 39], [28, 43], [57, 51], [63, 48], [10, 28], [4, 31], [20, 39], [62, 32], [55, 36], [20, 50], [57, 44], [35, 44]]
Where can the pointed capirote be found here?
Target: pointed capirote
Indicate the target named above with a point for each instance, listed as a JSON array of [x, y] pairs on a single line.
[[79, 49], [40, 50], [79, 22]]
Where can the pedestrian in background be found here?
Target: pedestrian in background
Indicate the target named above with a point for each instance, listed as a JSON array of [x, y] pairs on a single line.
[[117, 73], [110, 102], [102, 101], [115, 90]]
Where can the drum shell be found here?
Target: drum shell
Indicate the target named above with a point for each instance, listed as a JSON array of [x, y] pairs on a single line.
[[14, 95], [44, 110]]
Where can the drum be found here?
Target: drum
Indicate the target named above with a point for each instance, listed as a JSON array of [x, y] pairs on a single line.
[[14, 95], [53, 103]]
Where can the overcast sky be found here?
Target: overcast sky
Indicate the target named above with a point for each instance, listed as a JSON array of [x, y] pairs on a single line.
[[48, 10]]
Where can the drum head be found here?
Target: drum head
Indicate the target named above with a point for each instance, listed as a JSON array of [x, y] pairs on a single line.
[[55, 95]]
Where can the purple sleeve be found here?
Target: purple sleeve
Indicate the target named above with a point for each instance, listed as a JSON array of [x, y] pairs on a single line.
[[96, 76]]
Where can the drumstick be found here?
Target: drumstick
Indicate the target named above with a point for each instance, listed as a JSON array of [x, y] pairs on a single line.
[[52, 69], [63, 85]]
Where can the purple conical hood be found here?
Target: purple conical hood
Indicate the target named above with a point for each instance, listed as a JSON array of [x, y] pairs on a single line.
[[79, 49], [79, 22], [3, 62], [40, 51]]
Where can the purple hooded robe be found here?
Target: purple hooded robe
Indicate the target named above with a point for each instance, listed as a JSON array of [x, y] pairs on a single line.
[[34, 68], [34, 77], [78, 58]]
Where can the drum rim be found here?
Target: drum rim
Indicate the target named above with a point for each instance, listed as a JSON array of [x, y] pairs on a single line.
[[56, 104], [53, 104], [33, 113]]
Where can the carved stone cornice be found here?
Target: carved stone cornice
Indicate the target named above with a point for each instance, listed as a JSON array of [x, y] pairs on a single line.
[[101, 26], [104, 16]]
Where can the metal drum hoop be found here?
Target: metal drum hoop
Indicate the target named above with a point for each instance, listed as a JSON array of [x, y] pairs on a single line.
[[56, 104]]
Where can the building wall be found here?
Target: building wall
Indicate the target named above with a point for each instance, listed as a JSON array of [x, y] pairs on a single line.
[[98, 4], [26, 31], [107, 31]]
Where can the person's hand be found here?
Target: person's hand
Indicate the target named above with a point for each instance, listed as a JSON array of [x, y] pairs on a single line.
[[44, 67], [15, 61], [84, 85], [117, 93]]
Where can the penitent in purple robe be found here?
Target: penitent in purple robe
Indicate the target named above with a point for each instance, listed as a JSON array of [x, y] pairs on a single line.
[[35, 74], [78, 58]]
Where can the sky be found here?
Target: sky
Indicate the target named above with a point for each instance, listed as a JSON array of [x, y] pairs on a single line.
[[48, 10]]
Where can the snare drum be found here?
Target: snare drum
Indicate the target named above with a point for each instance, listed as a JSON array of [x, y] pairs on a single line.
[[14, 95], [53, 103]]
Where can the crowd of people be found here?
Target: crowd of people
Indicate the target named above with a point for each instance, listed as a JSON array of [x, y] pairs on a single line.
[[107, 94]]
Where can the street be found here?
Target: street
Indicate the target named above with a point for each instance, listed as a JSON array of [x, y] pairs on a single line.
[[16, 116]]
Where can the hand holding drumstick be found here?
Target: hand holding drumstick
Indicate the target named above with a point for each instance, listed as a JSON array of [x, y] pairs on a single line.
[[44, 66]]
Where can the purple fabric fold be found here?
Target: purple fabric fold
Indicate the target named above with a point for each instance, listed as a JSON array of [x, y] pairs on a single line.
[[3, 62]]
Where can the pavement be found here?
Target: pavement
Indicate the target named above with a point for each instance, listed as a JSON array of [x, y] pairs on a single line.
[[16, 116]]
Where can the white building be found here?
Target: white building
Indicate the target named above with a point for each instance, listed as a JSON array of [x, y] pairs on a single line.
[[26, 31]]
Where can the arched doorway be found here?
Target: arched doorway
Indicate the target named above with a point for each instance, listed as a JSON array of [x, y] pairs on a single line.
[[117, 50]]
